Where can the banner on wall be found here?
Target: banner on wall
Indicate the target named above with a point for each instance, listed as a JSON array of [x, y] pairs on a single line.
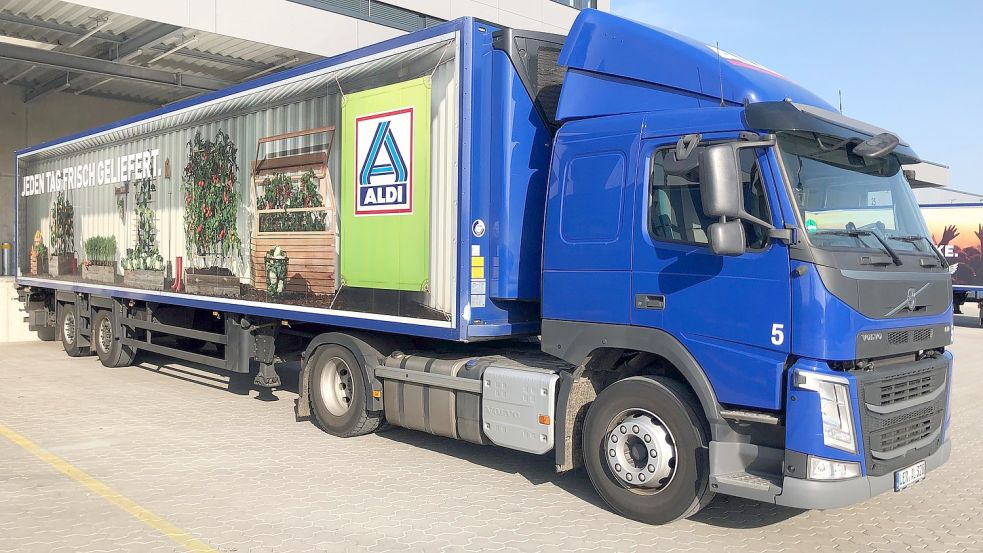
[[385, 195], [958, 234]]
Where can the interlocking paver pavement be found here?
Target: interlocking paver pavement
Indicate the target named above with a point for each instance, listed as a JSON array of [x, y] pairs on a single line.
[[240, 475]]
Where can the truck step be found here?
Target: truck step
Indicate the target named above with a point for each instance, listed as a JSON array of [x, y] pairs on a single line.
[[750, 416], [745, 484]]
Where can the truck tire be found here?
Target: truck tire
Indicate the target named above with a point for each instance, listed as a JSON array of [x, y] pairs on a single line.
[[68, 330], [108, 346], [646, 450], [337, 392]]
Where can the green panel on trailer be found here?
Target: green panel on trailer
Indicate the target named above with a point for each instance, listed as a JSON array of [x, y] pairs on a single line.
[[385, 195]]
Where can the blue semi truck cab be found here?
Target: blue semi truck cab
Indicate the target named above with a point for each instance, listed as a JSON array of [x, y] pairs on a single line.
[[651, 258], [739, 235]]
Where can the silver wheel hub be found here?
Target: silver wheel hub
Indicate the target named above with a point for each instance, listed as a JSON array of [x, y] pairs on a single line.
[[337, 387], [68, 327], [640, 451], [105, 335]]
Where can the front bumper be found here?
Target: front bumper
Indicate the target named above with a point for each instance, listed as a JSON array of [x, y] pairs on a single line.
[[814, 494]]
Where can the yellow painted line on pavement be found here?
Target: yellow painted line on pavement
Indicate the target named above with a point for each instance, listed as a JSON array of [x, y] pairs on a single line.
[[142, 514]]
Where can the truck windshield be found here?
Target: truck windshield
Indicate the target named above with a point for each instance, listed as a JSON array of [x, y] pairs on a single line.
[[850, 202]]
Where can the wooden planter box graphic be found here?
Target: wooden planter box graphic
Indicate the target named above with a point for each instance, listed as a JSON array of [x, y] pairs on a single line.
[[60, 265], [146, 280], [99, 273], [39, 265], [211, 285], [312, 260], [312, 253]]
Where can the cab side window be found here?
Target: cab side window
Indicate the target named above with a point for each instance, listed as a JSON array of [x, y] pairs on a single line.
[[676, 206]]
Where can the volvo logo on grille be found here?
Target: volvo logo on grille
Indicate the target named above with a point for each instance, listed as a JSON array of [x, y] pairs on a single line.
[[909, 302], [872, 337]]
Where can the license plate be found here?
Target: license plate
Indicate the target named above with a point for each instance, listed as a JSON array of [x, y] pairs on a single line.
[[906, 477]]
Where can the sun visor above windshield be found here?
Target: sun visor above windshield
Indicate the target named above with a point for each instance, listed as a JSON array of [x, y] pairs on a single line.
[[606, 54], [791, 116]]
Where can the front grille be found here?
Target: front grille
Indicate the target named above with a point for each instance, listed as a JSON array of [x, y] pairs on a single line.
[[897, 337], [896, 437], [905, 387], [902, 408], [923, 334]]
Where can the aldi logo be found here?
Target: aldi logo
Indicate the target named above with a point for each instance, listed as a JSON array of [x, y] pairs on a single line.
[[384, 163]]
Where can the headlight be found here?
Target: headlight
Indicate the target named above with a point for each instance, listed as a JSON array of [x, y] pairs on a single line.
[[828, 469], [834, 404]]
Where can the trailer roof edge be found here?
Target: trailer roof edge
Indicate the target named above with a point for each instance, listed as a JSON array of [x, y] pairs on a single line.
[[317, 65]]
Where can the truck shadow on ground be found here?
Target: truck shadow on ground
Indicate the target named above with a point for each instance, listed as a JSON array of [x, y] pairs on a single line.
[[966, 320], [723, 512]]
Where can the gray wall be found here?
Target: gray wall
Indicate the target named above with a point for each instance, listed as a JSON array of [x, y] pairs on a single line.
[[53, 116]]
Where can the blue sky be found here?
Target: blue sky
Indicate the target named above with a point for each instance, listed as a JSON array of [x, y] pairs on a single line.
[[910, 66]]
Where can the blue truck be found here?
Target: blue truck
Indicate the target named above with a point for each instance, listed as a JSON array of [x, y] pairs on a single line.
[[622, 248]]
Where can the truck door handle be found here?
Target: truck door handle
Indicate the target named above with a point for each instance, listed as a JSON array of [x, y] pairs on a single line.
[[650, 301]]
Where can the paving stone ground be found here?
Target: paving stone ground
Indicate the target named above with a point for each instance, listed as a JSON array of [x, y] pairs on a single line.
[[240, 475]]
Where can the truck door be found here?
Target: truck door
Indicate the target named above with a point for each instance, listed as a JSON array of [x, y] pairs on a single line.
[[731, 313]]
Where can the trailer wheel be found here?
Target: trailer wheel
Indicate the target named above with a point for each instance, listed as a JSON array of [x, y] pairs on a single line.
[[108, 346], [337, 392], [68, 327], [646, 450]]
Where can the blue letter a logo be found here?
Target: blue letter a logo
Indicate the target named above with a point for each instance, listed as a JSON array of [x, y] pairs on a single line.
[[371, 167]]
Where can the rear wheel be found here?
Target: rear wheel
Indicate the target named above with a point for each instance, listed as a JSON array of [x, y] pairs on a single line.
[[68, 328], [337, 392], [107, 344], [646, 450]]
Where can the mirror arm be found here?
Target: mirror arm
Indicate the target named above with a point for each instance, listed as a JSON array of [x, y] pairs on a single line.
[[745, 216], [686, 144], [786, 235]]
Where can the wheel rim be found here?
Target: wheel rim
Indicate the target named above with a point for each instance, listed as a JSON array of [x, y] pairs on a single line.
[[68, 327], [105, 335], [640, 451], [337, 386]]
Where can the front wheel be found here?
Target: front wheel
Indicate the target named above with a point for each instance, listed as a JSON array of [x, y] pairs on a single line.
[[646, 450]]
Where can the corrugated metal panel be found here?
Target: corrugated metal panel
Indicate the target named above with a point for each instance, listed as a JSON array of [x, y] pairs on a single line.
[[443, 188], [60, 23], [60, 12], [306, 103], [357, 75]]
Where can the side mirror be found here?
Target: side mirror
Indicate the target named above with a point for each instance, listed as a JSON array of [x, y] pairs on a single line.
[[727, 238], [720, 181]]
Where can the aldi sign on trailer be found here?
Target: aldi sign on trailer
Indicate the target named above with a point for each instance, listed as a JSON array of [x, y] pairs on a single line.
[[384, 173], [385, 200]]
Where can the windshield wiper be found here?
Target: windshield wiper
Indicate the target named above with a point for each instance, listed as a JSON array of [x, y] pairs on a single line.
[[912, 238], [858, 232]]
